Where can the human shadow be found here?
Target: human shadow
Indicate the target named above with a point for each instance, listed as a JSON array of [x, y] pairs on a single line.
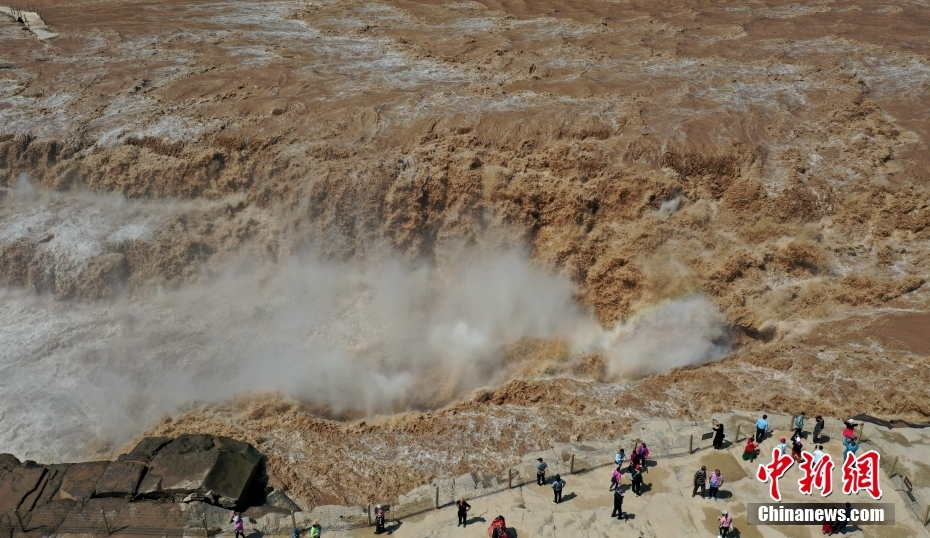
[[569, 497], [476, 519], [724, 494], [389, 529], [511, 532], [646, 488]]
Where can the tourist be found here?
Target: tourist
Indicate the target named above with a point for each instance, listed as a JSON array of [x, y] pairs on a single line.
[[725, 523], [718, 435], [498, 528], [700, 479], [620, 457], [796, 447], [239, 527], [637, 479], [557, 485], [818, 427], [634, 459], [762, 426], [618, 504], [852, 445], [541, 472], [463, 508], [843, 522], [751, 451], [379, 519], [782, 446], [615, 479], [818, 453], [315, 529], [798, 424], [716, 480], [849, 431], [643, 453]]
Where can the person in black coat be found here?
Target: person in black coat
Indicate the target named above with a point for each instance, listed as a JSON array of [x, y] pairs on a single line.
[[637, 480], [718, 435], [618, 504], [818, 427], [463, 508]]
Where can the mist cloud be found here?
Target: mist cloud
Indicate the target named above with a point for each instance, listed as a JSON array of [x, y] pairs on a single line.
[[373, 336]]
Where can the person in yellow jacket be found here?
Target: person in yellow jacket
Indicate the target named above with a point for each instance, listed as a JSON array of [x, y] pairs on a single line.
[[315, 529]]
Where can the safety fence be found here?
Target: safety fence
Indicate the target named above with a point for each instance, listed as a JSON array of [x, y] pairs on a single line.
[[44, 521], [566, 459], [903, 482]]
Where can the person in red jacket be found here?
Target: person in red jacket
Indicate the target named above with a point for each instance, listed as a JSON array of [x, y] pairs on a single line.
[[498, 528], [751, 451]]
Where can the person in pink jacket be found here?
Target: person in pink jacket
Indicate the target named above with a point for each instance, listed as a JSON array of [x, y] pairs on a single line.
[[725, 523], [616, 479]]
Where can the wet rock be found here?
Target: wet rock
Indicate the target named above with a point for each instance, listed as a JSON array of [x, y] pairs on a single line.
[[17, 483], [80, 480], [196, 463], [231, 476], [189, 443], [146, 449], [54, 476], [173, 473], [8, 462], [120, 479], [217, 518], [192, 469], [208, 497]]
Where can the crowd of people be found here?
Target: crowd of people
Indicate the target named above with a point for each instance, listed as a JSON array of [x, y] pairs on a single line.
[[796, 444], [708, 485]]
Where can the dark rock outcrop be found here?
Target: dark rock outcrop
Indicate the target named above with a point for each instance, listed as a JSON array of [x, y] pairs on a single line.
[[146, 448], [80, 480], [17, 483], [147, 490], [121, 479], [197, 467], [206, 466], [8, 462]]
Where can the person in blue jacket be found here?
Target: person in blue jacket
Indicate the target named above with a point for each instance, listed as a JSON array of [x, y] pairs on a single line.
[[762, 426]]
